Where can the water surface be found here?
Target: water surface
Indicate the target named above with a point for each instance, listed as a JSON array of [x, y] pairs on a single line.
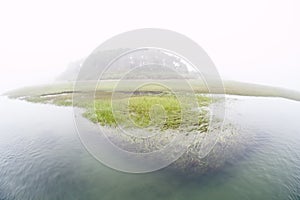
[[41, 157]]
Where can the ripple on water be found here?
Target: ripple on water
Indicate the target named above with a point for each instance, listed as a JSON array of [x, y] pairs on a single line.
[[48, 162]]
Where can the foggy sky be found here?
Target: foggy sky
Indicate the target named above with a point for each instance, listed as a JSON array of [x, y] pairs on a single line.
[[253, 41]]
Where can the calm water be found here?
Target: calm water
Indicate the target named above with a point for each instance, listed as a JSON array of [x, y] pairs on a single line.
[[41, 157]]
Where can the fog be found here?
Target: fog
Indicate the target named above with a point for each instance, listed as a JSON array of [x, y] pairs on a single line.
[[252, 41]]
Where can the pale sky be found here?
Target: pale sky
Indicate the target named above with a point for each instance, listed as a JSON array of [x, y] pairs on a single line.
[[253, 41]]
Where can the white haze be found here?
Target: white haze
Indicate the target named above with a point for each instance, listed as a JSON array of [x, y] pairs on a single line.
[[253, 41]]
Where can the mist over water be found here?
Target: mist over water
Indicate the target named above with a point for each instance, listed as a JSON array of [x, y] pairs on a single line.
[[41, 155]]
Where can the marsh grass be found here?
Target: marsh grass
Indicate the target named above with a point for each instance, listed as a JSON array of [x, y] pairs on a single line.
[[143, 111], [152, 106]]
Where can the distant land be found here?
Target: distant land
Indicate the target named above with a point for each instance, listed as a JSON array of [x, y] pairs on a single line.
[[97, 61]]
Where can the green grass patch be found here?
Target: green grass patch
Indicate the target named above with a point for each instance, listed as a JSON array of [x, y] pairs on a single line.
[[158, 111]]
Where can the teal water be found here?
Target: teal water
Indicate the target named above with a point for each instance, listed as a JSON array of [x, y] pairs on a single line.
[[41, 157]]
